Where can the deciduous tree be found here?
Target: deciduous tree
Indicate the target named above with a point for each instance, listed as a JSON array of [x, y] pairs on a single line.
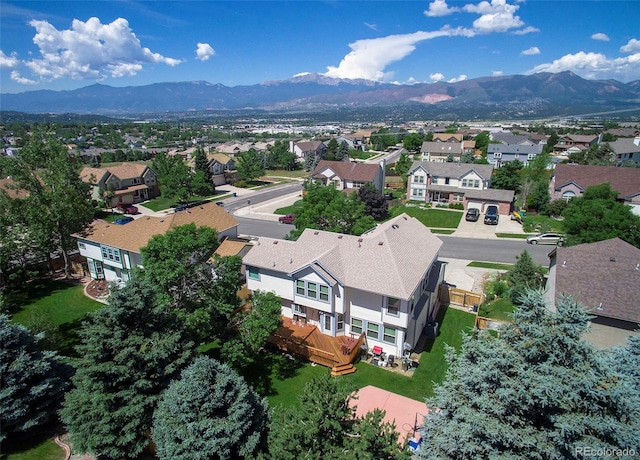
[[129, 353], [177, 180], [249, 165], [210, 412], [375, 204], [32, 381], [507, 177], [537, 391]]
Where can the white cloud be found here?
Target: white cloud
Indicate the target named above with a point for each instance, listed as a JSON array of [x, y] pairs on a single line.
[[8, 61], [90, 50], [458, 78], [526, 30], [595, 66], [15, 76], [439, 8], [436, 76], [633, 46], [497, 73], [204, 51], [531, 51], [497, 16], [600, 36], [368, 58]]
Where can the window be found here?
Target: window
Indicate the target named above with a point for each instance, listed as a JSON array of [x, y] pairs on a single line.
[[300, 310], [324, 293], [393, 306], [373, 331], [358, 184], [418, 179], [465, 183], [136, 181], [82, 245], [110, 254], [340, 322], [419, 192], [446, 181], [312, 290], [389, 335], [254, 274], [476, 183], [356, 326], [566, 196], [497, 155]]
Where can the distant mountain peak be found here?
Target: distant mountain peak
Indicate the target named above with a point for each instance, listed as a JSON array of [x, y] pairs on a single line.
[[320, 79]]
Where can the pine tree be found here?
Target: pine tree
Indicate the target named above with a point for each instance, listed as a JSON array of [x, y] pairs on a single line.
[[539, 392], [32, 382], [130, 352], [210, 412]]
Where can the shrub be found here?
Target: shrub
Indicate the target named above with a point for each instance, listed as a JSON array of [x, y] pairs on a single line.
[[240, 184], [459, 206]]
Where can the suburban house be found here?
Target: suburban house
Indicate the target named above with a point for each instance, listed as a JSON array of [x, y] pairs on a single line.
[[447, 137], [113, 251], [220, 167], [349, 176], [302, 149], [627, 149], [383, 284], [465, 183], [441, 152], [354, 141], [128, 183], [605, 278], [507, 137], [499, 154], [571, 180], [575, 141]]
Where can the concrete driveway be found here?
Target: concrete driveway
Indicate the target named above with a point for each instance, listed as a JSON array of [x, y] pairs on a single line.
[[479, 230]]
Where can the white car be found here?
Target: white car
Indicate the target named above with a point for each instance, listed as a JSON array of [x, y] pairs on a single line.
[[547, 238]]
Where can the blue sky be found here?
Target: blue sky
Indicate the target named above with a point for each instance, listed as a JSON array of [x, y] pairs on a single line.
[[70, 44]]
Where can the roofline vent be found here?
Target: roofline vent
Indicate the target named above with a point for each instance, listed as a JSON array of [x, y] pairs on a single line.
[[564, 263], [600, 307], [612, 259], [637, 266], [380, 243], [394, 226]]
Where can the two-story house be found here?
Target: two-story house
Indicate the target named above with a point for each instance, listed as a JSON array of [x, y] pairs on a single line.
[[127, 183], [575, 141], [349, 176], [113, 251], [465, 183], [302, 149], [499, 154], [383, 284], [627, 149], [442, 152]]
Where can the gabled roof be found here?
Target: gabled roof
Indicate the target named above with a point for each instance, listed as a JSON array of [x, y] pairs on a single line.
[[123, 171], [510, 138], [390, 260], [346, 170], [442, 147], [604, 272], [585, 138], [447, 137], [457, 170], [625, 181], [625, 145], [309, 146], [135, 235]]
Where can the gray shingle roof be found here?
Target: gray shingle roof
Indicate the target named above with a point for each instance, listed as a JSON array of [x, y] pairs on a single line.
[[347, 170], [625, 181], [603, 272], [442, 147], [515, 148], [390, 260], [452, 169]]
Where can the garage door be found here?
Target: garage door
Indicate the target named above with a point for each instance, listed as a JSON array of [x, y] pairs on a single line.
[[474, 205]]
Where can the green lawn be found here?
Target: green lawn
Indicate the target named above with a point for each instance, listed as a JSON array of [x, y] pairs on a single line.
[[297, 174], [490, 265], [499, 309], [60, 307], [35, 445], [539, 224], [520, 236], [293, 209], [437, 218], [162, 203]]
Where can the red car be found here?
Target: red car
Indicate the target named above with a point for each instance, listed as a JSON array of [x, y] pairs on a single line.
[[288, 219], [127, 208]]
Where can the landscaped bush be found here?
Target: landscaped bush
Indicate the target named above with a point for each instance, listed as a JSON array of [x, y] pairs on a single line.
[[459, 206], [496, 286], [240, 184]]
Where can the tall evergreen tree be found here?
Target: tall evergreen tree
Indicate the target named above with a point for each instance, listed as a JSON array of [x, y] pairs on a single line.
[[210, 412], [200, 163], [538, 391], [32, 381], [343, 151], [130, 352], [325, 426]]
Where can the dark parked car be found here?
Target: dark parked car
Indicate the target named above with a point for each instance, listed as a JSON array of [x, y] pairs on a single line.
[[288, 219], [491, 215], [472, 215], [123, 220], [127, 208]]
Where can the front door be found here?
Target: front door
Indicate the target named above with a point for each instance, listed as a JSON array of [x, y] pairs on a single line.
[[326, 323]]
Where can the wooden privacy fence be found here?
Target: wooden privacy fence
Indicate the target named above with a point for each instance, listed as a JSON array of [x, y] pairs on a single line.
[[459, 297]]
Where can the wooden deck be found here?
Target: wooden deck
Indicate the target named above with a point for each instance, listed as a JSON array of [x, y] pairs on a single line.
[[307, 341]]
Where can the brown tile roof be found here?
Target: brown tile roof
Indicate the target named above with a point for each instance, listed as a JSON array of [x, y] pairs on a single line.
[[135, 235], [123, 171], [604, 272], [232, 247], [625, 181], [346, 170]]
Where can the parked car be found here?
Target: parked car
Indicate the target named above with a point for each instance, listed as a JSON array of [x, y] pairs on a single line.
[[127, 208], [472, 215], [547, 238], [288, 219], [491, 216], [123, 220], [220, 203]]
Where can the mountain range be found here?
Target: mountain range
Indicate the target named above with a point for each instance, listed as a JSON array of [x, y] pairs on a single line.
[[540, 95]]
